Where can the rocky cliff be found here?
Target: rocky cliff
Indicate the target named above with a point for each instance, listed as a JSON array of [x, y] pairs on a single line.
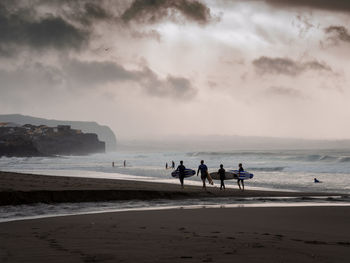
[[30, 140], [104, 133]]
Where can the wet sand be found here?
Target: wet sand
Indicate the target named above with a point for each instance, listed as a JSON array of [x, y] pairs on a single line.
[[17, 188], [290, 234]]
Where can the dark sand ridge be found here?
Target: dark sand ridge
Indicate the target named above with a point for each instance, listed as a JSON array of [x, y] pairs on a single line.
[[17, 188], [290, 234]]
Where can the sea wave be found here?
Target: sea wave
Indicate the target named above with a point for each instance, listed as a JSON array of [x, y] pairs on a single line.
[[319, 158], [345, 159], [328, 158], [245, 153], [268, 169]]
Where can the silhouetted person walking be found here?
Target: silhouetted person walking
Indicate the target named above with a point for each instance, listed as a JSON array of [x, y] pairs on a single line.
[[204, 173], [221, 173], [240, 169], [181, 168]]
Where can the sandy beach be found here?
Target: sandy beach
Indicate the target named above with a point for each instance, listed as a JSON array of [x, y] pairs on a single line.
[[17, 188], [264, 234], [299, 234]]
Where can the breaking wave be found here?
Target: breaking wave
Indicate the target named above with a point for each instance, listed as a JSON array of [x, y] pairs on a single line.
[[344, 159], [194, 154], [267, 169]]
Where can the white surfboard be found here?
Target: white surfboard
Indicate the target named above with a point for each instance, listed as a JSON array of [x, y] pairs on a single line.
[[228, 176]]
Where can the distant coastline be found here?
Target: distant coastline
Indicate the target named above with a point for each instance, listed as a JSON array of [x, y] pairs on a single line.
[[104, 133], [30, 140]]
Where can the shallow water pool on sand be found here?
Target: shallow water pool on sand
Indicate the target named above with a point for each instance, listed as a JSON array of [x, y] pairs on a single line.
[[25, 212]]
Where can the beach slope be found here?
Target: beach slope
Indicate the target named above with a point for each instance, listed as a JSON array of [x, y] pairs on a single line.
[[290, 234], [17, 188]]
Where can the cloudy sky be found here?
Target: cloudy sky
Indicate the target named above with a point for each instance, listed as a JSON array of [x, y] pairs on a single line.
[[152, 68]]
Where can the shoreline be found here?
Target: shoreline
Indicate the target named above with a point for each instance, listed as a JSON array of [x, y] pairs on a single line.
[[169, 234], [288, 234], [18, 188]]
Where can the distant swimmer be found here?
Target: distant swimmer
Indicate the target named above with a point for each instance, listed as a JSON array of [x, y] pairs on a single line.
[[221, 173], [240, 169], [317, 181], [204, 172], [181, 168]]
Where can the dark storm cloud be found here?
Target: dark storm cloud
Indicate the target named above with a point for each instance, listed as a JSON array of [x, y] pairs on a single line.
[[91, 73], [96, 12], [64, 25], [85, 12], [286, 66], [337, 5], [152, 11], [338, 33], [174, 87], [83, 74], [20, 27]]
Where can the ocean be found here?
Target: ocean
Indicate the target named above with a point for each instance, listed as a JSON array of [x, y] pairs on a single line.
[[286, 170]]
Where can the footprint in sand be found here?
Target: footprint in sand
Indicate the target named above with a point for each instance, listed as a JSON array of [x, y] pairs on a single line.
[[316, 242], [343, 243], [186, 257]]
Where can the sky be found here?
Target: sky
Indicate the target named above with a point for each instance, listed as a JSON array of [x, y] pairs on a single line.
[[154, 68]]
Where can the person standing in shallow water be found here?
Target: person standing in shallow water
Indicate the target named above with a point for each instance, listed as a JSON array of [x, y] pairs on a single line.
[[204, 173], [221, 173], [181, 168], [240, 169]]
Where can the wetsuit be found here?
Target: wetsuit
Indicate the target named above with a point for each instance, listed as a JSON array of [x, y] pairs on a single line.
[[221, 173], [204, 170], [181, 168], [240, 180]]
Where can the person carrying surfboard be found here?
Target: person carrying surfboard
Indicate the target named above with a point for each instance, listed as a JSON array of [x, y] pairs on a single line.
[[240, 169], [181, 168], [204, 172], [221, 173]]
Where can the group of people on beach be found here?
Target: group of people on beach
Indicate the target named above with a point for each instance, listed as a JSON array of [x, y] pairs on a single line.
[[203, 169], [124, 163], [171, 167]]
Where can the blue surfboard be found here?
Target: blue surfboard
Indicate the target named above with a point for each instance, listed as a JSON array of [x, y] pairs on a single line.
[[243, 175], [188, 173]]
